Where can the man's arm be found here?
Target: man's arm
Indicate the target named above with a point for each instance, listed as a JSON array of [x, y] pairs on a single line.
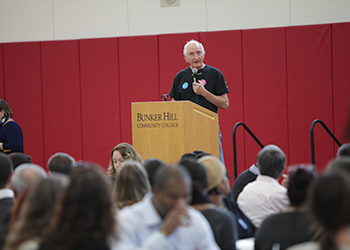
[[219, 101]]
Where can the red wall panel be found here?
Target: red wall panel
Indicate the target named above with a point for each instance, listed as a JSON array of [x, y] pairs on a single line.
[[139, 76], [265, 94], [61, 98], [2, 86], [224, 51], [100, 98], [171, 58], [341, 76], [309, 70], [24, 94]]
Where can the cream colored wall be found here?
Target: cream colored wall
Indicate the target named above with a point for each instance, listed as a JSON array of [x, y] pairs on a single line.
[[41, 20]]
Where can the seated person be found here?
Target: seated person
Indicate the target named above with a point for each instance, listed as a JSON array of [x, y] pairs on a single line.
[[131, 184], [293, 226], [243, 179], [265, 196], [222, 222], [165, 220]]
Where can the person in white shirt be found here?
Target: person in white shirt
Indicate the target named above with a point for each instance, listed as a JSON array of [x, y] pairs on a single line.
[[165, 220], [265, 196]]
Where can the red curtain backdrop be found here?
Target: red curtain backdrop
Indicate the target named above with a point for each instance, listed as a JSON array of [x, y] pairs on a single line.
[[75, 96]]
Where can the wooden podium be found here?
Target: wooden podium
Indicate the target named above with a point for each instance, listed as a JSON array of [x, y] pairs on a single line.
[[167, 130]]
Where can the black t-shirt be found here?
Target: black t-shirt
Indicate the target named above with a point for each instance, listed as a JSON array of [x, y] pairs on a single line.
[[212, 79]]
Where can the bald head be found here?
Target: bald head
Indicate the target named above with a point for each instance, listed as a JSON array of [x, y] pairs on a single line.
[[177, 173]]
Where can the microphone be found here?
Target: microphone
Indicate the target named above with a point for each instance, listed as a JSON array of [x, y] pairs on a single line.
[[194, 72]]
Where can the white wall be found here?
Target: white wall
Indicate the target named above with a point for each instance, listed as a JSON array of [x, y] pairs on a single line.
[[41, 20]]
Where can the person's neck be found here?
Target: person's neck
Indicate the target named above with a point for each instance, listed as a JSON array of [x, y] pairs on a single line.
[[200, 67], [162, 216], [293, 208], [203, 206], [216, 199]]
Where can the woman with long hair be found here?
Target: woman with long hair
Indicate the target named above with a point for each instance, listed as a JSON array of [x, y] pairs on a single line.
[[35, 214], [131, 184], [84, 216], [123, 151]]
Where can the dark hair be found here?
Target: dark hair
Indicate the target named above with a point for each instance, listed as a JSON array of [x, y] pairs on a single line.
[[271, 161], [6, 107], [19, 158], [330, 204], [344, 150], [298, 183], [61, 163], [339, 164], [5, 169], [178, 173], [198, 174], [84, 211], [152, 166], [194, 155], [35, 212]]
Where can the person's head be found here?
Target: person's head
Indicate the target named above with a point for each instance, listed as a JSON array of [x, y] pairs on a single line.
[[198, 174], [339, 164], [5, 110], [61, 163], [131, 184], [19, 158], [344, 150], [123, 151], [83, 210], [216, 173], [271, 161], [5, 170], [299, 182], [194, 54], [330, 205], [25, 175], [172, 188], [152, 166], [36, 211]]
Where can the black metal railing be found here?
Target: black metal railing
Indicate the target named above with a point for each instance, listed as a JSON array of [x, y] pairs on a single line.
[[235, 144], [313, 138]]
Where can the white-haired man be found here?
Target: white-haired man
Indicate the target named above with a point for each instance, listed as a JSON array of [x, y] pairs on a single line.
[[207, 87]]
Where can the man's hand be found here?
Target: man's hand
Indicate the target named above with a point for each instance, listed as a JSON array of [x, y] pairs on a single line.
[[176, 217], [199, 88]]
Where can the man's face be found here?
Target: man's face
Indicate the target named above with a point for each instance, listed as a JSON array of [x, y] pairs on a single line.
[[194, 56], [173, 194]]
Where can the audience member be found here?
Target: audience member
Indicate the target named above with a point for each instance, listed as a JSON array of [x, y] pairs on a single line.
[[218, 191], [123, 151], [61, 163], [330, 205], [243, 179], [265, 196], [165, 220], [35, 214], [131, 184], [341, 163], [19, 158], [152, 166], [6, 194], [84, 214], [23, 176], [222, 222], [344, 150], [294, 226]]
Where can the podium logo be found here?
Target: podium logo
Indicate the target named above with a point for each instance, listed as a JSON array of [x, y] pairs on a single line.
[[162, 120], [166, 116]]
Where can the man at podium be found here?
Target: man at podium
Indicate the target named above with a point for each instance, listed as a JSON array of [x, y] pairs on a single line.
[[200, 83]]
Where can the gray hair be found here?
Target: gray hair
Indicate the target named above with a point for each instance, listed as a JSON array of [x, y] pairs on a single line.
[[271, 161], [197, 43], [26, 175]]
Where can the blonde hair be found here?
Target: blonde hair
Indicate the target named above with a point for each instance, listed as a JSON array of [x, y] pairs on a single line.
[[127, 152], [215, 170], [131, 184]]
